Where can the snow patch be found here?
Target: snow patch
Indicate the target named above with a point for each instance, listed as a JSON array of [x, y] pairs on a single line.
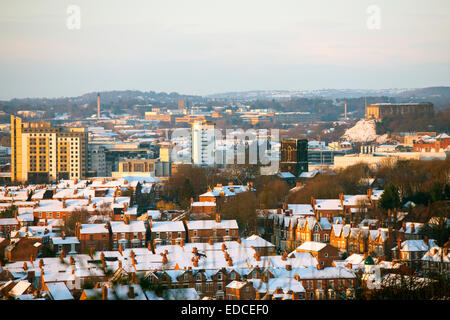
[[364, 131]]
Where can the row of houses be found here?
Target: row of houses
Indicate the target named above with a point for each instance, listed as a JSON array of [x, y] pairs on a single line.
[[138, 234]]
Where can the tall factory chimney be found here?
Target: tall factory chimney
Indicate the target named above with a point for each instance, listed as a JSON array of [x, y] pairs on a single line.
[[98, 105]]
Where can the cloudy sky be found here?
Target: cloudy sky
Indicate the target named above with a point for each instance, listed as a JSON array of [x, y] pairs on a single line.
[[210, 46]]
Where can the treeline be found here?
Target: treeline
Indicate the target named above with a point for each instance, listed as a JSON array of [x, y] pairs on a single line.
[[439, 122], [330, 185], [326, 108]]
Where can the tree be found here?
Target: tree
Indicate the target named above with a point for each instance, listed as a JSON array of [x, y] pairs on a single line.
[[390, 198], [186, 193], [105, 208], [8, 212], [272, 194], [80, 215], [242, 207]]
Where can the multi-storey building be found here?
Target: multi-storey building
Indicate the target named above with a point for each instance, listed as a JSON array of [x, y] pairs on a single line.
[[167, 232], [94, 236], [217, 230], [203, 143], [97, 161], [379, 111], [40, 152], [294, 156], [128, 234]]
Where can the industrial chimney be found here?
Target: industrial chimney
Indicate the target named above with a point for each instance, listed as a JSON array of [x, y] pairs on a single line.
[[98, 105]]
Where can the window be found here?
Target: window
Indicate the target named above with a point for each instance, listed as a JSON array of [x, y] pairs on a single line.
[[219, 276], [232, 276], [219, 286], [179, 234], [199, 277], [319, 284]]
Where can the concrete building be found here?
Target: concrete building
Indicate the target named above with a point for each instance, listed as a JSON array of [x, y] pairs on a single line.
[[97, 161], [40, 152], [203, 143], [379, 111]]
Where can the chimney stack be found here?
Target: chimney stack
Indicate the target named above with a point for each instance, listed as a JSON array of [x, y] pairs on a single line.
[[150, 221], [98, 105], [131, 292], [104, 293]]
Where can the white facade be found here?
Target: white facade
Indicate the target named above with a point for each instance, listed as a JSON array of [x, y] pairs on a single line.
[[203, 143]]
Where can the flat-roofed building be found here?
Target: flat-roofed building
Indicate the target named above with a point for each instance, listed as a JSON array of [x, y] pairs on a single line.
[[40, 152], [378, 111]]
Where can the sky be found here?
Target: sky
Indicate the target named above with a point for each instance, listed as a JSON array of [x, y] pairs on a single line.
[[211, 46]]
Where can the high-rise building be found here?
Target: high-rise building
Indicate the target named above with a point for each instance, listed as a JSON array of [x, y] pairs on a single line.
[[203, 143], [40, 152], [294, 156], [96, 161]]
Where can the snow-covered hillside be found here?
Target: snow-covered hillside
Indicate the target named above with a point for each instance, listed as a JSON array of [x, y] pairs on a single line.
[[364, 131]]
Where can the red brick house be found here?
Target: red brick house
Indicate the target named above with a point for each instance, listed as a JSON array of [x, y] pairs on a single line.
[[129, 234], [167, 232], [240, 290], [23, 249], [323, 252], [218, 230], [94, 236]]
